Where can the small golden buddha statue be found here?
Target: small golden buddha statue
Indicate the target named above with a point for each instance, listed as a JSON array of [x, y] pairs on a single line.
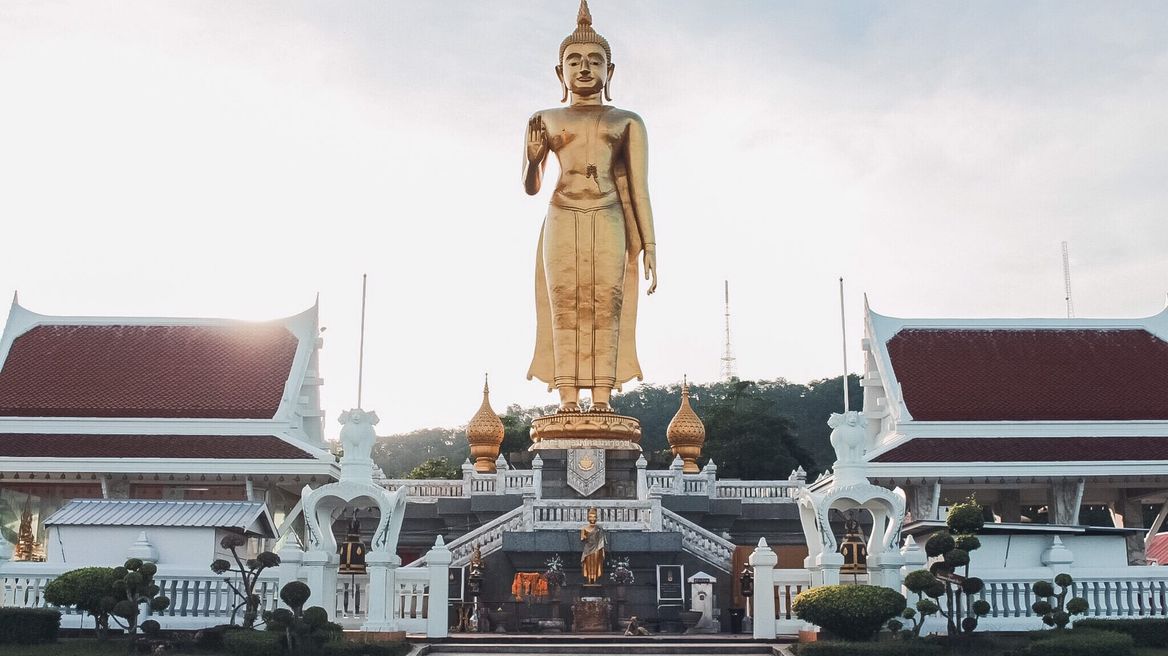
[[598, 222], [592, 555]]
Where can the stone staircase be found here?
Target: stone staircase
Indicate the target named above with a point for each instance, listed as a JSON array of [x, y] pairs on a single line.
[[603, 645]]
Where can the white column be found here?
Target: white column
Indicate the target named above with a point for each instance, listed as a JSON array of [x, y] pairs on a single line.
[[711, 472], [289, 570], [829, 563], [537, 476], [379, 564], [676, 470], [914, 556], [438, 562], [500, 475], [763, 559], [467, 476], [320, 571], [643, 478], [884, 569]]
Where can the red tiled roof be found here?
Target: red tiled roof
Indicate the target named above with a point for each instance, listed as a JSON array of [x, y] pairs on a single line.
[[224, 372], [1158, 549], [1027, 449], [248, 447], [1031, 375]]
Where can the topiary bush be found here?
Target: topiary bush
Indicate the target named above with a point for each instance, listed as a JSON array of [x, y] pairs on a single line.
[[1057, 614], [1147, 632], [248, 573], [28, 626], [89, 590], [133, 586], [305, 630], [252, 643], [953, 547], [854, 612]]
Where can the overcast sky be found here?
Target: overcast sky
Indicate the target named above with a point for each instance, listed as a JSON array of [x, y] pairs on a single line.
[[236, 158]]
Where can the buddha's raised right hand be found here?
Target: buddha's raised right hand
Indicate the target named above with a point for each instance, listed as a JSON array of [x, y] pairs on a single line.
[[537, 145]]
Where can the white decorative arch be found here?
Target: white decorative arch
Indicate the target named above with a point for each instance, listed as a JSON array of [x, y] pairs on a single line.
[[850, 490]]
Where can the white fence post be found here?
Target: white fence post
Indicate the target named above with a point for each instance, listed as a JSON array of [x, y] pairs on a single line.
[[763, 559], [642, 478], [676, 469], [537, 476], [437, 616], [500, 475], [467, 478], [289, 569], [378, 564], [711, 472], [320, 569]]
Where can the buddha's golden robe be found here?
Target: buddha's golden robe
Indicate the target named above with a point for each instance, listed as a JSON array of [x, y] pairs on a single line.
[[586, 280]]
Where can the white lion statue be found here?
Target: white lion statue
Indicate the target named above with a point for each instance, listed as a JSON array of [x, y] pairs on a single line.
[[847, 437], [357, 434]]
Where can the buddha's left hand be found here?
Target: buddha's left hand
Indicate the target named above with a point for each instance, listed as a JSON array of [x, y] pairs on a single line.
[[651, 266]]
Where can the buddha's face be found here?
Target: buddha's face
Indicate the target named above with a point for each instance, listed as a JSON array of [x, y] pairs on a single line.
[[592, 516], [584, 69]]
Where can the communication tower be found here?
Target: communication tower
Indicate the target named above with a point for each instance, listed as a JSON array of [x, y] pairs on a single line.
[[1067, 281], [729, 369]]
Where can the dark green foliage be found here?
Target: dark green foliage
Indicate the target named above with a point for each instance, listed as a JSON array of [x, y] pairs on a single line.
[[896, 648], [1082, 643], [372, 649], [972, 586], [88, 589], [1147, 632], [1057, 614], [855, 612], [249, 576], [957, 557], [435, 468], [939, 543], [965, 517], [133, 587], [968, 542], [295, 594], [315, 616], [29, 626], [151, 627], [252, 643], [919, 581], [211, 639]]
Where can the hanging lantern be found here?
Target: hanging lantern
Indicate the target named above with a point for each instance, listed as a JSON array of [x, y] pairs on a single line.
[[353, 550], [854, 550], [746, 581]]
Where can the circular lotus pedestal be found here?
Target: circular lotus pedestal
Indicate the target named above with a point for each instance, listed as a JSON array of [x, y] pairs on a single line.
[[585, 430]]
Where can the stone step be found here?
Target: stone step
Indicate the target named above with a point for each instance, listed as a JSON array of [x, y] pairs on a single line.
[[603, 647]]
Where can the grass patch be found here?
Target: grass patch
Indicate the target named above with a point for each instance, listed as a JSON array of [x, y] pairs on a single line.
[[73, 647]]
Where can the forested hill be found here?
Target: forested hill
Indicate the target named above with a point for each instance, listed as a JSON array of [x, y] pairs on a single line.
[[754, 429]]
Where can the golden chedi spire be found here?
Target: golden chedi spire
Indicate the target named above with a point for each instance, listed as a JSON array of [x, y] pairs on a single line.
[[485, 434], [686, 433]]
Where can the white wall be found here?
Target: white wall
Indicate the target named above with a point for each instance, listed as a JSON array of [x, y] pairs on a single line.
[[1025, 551], [106, 546]]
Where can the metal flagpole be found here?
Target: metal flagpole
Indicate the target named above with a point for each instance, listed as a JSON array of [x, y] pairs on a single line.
[[361, 354], [844, 334]]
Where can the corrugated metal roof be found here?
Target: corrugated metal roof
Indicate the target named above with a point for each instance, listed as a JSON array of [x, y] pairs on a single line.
[[249, 516]]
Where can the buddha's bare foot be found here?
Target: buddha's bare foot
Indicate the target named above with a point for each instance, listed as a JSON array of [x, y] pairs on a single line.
[[569, 407], [601, 407]]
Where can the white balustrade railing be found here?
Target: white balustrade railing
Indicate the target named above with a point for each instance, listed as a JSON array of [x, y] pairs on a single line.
[[613, 515], [422, 490], [699, 541], [352, 600], [788, 584], [488, 538], [757, 491], [412, 599], [198, 598]]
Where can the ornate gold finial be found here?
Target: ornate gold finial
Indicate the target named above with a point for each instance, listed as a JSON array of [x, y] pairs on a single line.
[[686, 433], [485, 434], [585, 34]]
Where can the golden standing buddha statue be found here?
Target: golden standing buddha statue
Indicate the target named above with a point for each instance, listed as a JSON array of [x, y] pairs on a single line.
[[598, 222], [592, 554]]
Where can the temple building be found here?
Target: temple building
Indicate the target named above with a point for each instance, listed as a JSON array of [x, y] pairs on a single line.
[[157, 408]]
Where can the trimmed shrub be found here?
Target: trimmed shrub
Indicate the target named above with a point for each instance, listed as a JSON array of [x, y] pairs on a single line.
[[1147, 632], [88, 589], [211, 638], [855, 612], [28, 626], [1083, 643], [895, 648], [247, 642]]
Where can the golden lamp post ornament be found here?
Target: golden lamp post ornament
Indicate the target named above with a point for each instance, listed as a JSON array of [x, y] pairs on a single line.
[[485, 434], [599, 223], [686, 433]]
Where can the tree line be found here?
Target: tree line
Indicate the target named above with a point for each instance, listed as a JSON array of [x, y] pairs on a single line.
[[754, 429]]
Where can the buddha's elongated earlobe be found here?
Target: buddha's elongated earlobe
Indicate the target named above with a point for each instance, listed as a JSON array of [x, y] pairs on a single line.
[[563, 86], [607, 95]]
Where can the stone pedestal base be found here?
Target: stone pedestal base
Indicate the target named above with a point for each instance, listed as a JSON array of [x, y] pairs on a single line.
[[583, 430], [591, 615]]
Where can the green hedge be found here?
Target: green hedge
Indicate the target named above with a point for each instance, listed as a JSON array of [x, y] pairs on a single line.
[[1082, 643], [1147, 632], [252, 643], [373, 649], [890, 648], [27, 626]]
